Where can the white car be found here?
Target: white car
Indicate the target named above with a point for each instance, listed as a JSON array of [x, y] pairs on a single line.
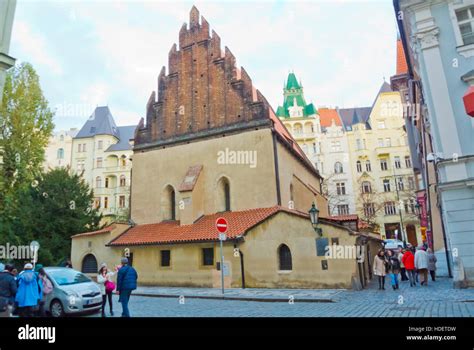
[[73, 293], [393, 244]]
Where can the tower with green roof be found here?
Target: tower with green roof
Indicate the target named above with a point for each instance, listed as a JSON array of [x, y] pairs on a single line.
[[294, 103]]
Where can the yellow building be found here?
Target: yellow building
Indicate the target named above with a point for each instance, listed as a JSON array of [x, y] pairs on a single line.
[[211, 146], [381, 167]]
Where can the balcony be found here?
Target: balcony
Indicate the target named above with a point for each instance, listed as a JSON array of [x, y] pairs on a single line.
[[116, 169], [110, 191]]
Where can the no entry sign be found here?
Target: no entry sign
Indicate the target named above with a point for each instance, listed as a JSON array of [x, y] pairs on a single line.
[[221, 225]]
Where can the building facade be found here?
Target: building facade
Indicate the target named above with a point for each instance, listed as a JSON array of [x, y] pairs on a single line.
[[102, 153], [7, 12], [58, 153], [321, 136], [381, 167], [439, 39], [211, 146], [363, 156]]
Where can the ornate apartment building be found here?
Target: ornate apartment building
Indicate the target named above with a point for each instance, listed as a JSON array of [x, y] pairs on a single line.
[[363, 156], [320, 135], [101, 152]]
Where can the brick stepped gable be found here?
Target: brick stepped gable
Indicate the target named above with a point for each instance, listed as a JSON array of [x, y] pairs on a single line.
[[204, 93]]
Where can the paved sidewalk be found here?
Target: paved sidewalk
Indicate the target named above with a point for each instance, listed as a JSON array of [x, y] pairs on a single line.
[[249, 294]]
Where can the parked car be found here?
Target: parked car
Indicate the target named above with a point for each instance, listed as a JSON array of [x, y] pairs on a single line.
[[73, 293], [393, 244]]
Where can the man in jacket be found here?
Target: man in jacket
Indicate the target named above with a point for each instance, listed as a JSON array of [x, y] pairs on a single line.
[[126, 282], [421, 264], [8, 291], [28, 294]]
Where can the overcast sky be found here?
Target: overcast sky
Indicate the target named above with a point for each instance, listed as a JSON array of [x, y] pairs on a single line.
[[90, 53]]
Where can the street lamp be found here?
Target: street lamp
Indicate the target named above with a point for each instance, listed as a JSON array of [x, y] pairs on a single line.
[[314, 216]]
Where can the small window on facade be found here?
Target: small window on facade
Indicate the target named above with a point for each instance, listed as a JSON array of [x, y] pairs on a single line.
[[465, 18], [106, 202], [386, 185], [123, 180], [335, 241], [284, 258], [343, 209], [61, 153], [99, 162], [359, 166], [398, 164], [383, 164], [366, 187], [107, 182], [367, 166], [165, 258], [408, 162], [122, 201], [98, 182], [208, 256], [100, 144], [338, 168]]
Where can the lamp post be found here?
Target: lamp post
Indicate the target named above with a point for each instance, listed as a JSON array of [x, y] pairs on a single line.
[[314, 217]]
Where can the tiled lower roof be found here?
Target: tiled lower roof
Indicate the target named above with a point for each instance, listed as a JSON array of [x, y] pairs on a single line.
[[107, 229], [169, 232]]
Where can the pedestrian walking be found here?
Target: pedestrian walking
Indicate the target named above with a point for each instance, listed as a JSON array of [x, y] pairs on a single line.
[[380, 268], [432, 264], [46, 289], [421, 264], [408, 260], [393, 268], [28, 293], [8, 290], [107, 286], [403, 272], [126, 283]]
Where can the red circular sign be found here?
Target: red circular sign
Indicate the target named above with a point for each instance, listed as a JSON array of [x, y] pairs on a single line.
[[221, 225]]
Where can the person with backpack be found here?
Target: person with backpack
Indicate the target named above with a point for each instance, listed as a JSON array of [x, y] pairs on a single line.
[[28, 294], [104, 279], [8, 289], [393, 268], [126, 283], [46, 289]]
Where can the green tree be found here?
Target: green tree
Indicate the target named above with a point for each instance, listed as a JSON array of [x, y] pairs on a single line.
[[55, 208], [26, 123]]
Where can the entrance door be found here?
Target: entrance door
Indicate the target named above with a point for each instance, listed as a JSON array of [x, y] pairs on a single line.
[[411, 235]]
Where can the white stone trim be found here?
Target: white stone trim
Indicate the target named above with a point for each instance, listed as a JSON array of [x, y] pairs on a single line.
[[463, 50]]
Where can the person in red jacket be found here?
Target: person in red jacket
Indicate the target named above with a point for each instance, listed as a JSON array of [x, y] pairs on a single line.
[[408, 260]]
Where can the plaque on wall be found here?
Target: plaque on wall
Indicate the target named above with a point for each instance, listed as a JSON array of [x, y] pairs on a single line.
[[321, 244]]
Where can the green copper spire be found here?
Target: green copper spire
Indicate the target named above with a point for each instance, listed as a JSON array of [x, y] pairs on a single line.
[[294, 103]]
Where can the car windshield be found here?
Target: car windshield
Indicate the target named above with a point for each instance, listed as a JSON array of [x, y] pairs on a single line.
[[65, 277]]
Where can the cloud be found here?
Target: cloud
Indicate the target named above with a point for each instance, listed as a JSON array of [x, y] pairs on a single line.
[[35, 48]]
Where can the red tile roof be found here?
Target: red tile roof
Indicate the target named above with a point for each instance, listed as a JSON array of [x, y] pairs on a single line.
[[351, 217], [107, 229], [402, 66], [327, 115], [203, 229]]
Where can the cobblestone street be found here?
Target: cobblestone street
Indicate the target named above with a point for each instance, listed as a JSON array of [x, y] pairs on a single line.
[[439, 299]]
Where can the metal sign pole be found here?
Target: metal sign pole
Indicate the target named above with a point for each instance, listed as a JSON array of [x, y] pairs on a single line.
[[222, 266]]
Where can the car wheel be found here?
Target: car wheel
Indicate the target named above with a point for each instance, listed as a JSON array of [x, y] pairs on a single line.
[[56, 309]]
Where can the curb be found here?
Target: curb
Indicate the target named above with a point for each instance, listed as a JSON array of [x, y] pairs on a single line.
[[264, 300]]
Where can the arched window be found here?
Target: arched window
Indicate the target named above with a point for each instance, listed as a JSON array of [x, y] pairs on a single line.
[[169, 203], [223, 193], [98, 182], [366, 187], [284, 258], [338, 169], [359, 166], [123, 180], [89, 264], [123, 161], [61, 153]]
